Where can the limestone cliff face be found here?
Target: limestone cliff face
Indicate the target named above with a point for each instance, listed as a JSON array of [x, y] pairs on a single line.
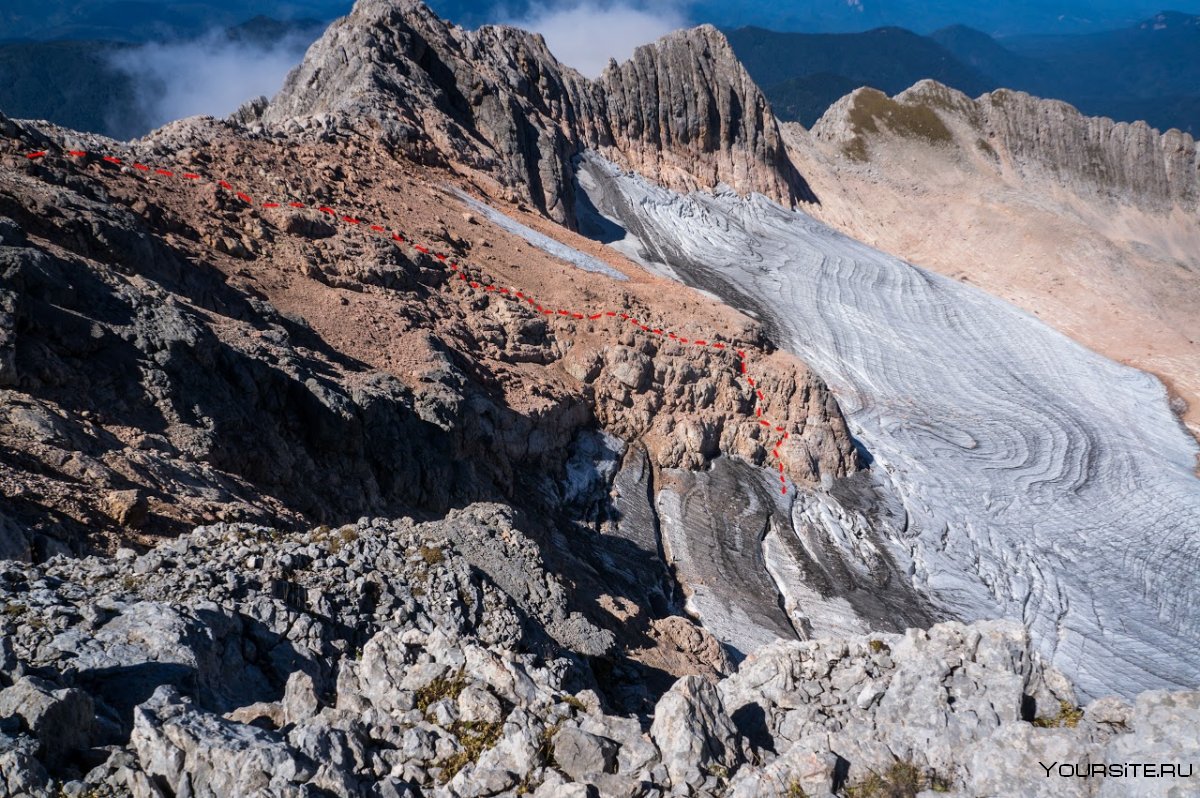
[[1038, 139], [683, 111], [1132, 162]]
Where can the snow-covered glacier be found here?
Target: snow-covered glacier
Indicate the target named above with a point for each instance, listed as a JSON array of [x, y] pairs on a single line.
[[1038, 479]]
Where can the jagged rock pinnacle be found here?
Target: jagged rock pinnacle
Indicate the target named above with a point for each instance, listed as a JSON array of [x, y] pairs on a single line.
[[682, 111]]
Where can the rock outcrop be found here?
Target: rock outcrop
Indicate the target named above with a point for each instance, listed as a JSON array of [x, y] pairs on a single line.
[[377, 659], [1043, 140], [682, 111]]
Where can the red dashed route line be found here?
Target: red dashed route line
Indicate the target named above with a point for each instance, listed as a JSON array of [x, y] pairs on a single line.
[[460, 270]]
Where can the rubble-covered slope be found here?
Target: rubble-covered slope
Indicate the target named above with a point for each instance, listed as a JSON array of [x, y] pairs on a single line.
[[384, 659], [172, 356]]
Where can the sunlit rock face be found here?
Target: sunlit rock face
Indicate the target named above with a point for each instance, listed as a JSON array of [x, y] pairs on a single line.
[[682, 111]]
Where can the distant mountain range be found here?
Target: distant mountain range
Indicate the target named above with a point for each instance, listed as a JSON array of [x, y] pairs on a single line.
[[1009, 18], [1150, 71], [146, 20], [71, 83], [78, 84]]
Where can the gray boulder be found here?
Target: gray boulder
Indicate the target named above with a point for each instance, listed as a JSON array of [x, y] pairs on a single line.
[[59, 718], [197, 753], [1165, 730], [300, 701], [20, 771], [198, 649], [579, 753], [697, 739]]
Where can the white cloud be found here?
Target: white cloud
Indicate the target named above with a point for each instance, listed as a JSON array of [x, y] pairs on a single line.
[[585, 35], [211, 75]]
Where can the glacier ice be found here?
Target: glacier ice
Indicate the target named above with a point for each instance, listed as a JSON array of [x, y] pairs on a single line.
[[543, 242], [1039, 480]]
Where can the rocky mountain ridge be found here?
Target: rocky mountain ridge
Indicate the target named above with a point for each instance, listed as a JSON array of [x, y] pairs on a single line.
[[682, 110], [1047, 140], [573, 572]]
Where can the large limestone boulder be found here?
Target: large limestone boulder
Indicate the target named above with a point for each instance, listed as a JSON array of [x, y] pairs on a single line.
[[59, 718], [197, 753], [698, 740]]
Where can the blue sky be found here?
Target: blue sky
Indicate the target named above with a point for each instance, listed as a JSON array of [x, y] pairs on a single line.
[[923, 16], [40, 18]]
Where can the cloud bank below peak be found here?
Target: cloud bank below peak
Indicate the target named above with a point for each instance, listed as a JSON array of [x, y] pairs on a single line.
[[212, 74], [585, 35]]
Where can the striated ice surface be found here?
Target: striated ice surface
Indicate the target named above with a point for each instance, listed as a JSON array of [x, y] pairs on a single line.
[[543, 242], [1037, 479]]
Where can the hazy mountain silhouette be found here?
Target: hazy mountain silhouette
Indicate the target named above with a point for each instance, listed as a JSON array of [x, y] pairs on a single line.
[[77, 84], [1149, 71], [803, 73], [146, 20]]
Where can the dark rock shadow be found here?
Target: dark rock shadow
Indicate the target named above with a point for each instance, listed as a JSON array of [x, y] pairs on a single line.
[[592, 223], [254, 666], [123, 687], [751, 723]]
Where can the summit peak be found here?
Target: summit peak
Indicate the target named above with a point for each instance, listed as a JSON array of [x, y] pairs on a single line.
[[682, 111]]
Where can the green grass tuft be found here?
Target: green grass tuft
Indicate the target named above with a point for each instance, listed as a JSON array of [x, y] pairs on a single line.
[[475, 737], [440, 688], [902, 780], [872, 109], [794, 790], [432, 555], [1068, 716]]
